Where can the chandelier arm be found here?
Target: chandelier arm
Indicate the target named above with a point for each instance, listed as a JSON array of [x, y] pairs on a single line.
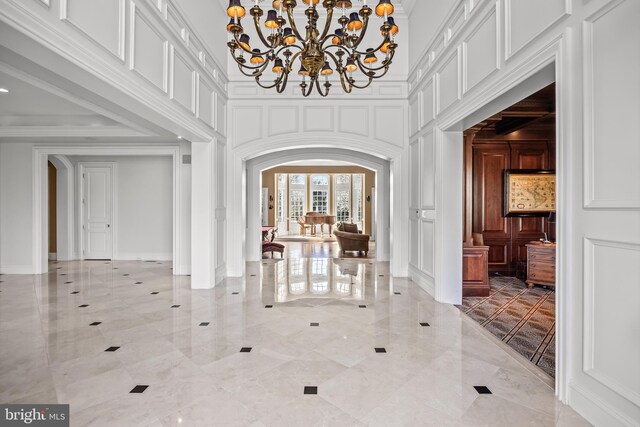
[[385, 40], [256, 73], [325, 94], [250, 67], [283, 83], [275, 84], [292, 22], [362, 87], [327, 25], [365, 69], [342, 82], [256, 23], [235, 35], [309, 91]]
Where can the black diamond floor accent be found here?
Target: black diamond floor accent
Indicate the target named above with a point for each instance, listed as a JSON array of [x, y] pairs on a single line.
[[235, 293], [380, 350], [204, 324], [268, 306], [125, 275], [310, 389], [175, 306], [397, 293], [138, 283], [253, 275], [139, 389], [315, 324], [83, 306], [116, 268], [362, 306], [112, 349], [75, 292], [63, 274], [424, 324], [380, 275], [95, 323], [245, 350], [155, 293], [66, 283], [482, 389]]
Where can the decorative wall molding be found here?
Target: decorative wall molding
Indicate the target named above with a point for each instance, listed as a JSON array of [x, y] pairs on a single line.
[[135, 14], [468, 46], [86, 30], [627, 256], [510, 50], [615, 143]]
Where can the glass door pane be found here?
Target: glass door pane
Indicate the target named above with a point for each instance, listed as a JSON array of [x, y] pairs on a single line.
[[297, 201]]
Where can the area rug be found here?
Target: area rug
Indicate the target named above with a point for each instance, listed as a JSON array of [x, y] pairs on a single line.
[[521, 317]]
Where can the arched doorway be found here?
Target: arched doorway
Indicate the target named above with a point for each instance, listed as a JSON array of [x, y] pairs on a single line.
[[246, 161]]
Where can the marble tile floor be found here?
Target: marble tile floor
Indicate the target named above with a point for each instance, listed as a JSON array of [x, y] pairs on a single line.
[[309, 331]]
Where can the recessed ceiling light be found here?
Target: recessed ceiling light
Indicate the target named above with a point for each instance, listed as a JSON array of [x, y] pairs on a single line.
[[179, 137], [3, 90]]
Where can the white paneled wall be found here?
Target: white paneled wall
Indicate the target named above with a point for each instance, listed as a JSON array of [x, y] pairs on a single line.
[[488, 55], [143, 47], [265, 125]]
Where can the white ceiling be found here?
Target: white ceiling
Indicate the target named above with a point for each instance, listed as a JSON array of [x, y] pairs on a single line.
[[33, 109]]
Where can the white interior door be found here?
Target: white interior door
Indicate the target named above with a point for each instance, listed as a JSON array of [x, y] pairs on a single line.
[[97, 212]]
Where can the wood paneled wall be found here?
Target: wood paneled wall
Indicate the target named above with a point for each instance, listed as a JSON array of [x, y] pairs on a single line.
[[491, 155]]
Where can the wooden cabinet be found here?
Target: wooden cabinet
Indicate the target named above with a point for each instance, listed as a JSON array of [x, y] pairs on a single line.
[[541, 264], [475, 271]]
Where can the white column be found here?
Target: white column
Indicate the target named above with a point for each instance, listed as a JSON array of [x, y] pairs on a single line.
[[236, 218], [449, 216], [202, 215]]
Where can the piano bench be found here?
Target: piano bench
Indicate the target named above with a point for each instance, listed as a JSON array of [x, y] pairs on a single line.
[[273, 247]]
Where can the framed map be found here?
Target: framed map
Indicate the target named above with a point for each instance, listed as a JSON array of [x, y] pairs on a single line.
[[529, 192]]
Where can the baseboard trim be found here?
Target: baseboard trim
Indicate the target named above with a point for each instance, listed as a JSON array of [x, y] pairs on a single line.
[[120, 256], [595, 410], [221, 273], [426, 282], [17, 269]]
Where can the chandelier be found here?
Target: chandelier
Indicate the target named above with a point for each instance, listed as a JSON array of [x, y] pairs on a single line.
[[320, 51]]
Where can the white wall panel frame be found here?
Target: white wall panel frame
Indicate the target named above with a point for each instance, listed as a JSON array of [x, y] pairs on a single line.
[[454, 77], [119, 51], [508, 9], [354, 120], [428, 102], [491, 12], [206, 93], [137, 13], [591, 200], [591, 366], [178, 60], [285, 117]]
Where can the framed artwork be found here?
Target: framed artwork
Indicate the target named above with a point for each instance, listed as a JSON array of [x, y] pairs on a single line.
[[529, 192]]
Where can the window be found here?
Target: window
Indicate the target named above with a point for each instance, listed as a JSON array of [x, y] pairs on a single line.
[[297, 196], [281, 212], [357, 195], [320, 193], [343, 197]]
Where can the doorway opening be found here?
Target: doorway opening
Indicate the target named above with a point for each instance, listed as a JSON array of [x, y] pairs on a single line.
[[509, 251]]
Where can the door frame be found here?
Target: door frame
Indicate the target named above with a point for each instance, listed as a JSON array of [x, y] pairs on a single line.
[[40, 193], [81, 205]]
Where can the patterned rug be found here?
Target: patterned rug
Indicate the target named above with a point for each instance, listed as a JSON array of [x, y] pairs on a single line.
[[521, 317]]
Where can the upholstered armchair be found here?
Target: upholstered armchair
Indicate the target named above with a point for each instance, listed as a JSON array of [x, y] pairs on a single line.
[[351, 239]]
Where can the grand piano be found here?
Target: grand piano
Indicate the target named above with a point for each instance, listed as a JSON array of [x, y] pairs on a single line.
[[315, 218]]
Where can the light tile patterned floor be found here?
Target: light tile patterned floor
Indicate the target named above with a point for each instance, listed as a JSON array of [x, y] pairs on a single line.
[[185, 345]]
